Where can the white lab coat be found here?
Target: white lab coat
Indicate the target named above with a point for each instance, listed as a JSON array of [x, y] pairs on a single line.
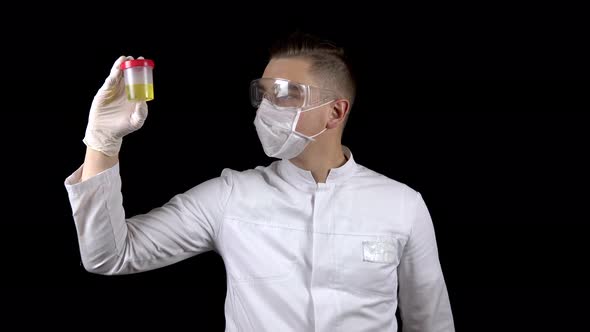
[[299, 255]]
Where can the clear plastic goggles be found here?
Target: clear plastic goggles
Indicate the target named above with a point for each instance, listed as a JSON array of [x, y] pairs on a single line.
[[285, 93]]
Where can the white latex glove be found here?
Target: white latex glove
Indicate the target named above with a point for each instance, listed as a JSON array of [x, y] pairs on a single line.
[[112, 116]]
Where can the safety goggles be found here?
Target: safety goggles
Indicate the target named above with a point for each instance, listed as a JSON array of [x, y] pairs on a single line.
[[285, 93]]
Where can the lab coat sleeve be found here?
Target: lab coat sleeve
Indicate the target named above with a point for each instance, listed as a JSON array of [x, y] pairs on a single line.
[[111, 244], [423, 298]]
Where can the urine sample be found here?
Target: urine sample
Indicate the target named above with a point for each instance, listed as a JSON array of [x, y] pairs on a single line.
[[139, 83]]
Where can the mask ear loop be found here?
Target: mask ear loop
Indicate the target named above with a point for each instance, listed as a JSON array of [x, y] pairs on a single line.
[[294, 125], [299, 111], [318, 106]]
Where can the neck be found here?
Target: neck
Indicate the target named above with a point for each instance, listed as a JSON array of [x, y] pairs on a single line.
[[321, 156]]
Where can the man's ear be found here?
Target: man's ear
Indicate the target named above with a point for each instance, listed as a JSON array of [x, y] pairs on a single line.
[[338, 113]]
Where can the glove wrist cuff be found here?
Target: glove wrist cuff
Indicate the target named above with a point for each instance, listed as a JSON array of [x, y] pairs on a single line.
[[103, 142]]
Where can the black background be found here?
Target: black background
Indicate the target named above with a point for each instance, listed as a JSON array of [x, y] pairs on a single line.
[[483, 110]]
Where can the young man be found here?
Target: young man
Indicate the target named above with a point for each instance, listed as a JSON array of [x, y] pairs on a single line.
[[312, 242]]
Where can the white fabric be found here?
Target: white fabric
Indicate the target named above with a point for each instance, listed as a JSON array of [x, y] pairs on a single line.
[[299, 255], [276, 126]]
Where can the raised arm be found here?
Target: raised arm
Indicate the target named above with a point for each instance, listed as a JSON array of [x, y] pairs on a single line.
[[112, 243]]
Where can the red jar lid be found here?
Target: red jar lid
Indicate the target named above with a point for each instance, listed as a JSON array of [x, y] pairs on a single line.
[[137, 63]]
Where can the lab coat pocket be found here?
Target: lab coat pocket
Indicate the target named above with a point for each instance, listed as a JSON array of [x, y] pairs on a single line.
[[257, 252], [368, 264]]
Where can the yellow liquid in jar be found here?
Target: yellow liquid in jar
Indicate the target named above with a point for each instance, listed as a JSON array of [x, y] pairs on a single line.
[[140, 92]]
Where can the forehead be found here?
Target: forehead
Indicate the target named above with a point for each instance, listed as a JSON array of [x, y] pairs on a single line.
[[293, 69]]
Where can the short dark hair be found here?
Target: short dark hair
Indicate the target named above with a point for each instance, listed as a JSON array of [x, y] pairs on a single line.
[[329, 64]]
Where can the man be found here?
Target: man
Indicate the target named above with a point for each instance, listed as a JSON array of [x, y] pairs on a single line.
[[312, 242]]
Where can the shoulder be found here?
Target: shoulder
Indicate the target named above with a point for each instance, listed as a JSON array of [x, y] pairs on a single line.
[[250, 178], [230, 182], [366, 177], [253, 174], [391, 195], [387, 192]]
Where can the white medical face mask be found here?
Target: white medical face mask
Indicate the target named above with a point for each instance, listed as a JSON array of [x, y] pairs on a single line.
[[276, 130]]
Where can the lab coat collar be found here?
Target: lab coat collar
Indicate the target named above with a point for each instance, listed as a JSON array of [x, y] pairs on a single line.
[[298, 176]]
